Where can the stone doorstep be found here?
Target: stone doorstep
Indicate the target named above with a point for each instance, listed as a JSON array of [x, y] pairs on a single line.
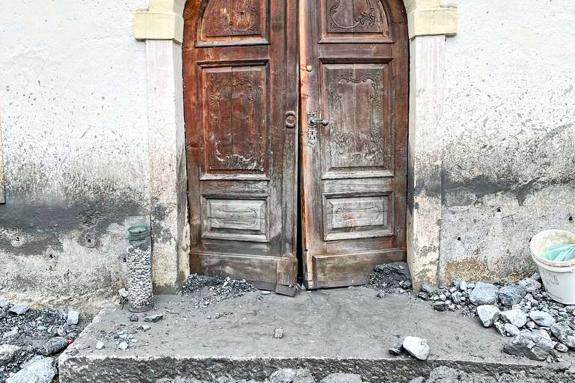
[[329, 331]]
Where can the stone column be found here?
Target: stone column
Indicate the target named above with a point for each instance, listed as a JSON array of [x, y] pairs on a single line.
[[161, 26], [430, 21]]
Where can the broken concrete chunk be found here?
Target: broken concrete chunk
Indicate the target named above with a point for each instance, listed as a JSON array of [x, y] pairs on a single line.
[[531, 345], [123, 346], [154, 318], [54, 346], [511, 295], [73, 318], [416, 347], [342, 378], [7, 353], [484, 294], [38, 370], [530, 285], [564, 333], [516, 317], [542, 318], [99, 345], [19, 309], [488, 314]]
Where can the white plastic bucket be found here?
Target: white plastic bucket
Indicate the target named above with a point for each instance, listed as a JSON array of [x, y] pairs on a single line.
[[558, 277]]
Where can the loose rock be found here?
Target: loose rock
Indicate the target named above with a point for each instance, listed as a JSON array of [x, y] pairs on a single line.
[[19, 309], [278, 333], [516, 317], [531, 346], [7, 353], [511, 295], [54, 346], [416, 347], [542, 318], [488, 314], [511, 330], [73, 318], [38, 370], [154, 318], [99, 345], [564, 333], [484, 294], [530, 285]]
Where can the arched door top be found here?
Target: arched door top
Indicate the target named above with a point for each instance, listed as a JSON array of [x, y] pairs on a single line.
[[163, 19]]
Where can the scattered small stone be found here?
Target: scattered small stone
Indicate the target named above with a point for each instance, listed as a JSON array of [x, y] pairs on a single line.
[[488, 314], [266, 292], [511, 295], [416, 347], [561, 347], [73, 318], [145, 327], [342, 378], [463, 286], [99, 345], [38, 370], [278, 333], [441, 306], [123, 345], [19, 309], [542, 318], [154, 318], [530, 325], [516, 317], [134, 318], [484, 294], [54, 346], [395, 351], [419, 379]]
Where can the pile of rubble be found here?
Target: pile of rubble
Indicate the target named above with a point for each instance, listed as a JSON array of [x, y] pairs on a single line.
[[208, 290], [30, 339], [540, 328]]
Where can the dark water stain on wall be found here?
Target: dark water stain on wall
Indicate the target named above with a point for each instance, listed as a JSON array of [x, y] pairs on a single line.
[[31, 227]]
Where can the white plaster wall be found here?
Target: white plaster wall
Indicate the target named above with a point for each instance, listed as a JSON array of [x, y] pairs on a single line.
[[509, 134], [73, 112]]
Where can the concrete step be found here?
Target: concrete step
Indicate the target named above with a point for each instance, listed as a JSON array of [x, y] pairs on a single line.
[[329, 331]]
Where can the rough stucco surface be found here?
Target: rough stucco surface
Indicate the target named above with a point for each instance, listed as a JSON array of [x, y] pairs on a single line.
[[508, 166], [73, 111]]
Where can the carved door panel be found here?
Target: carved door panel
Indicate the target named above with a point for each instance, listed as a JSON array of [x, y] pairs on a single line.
[[354, 73], [241, 104]]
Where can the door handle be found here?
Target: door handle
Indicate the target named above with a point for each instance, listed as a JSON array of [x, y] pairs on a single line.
[[291, 119], [313, 120]]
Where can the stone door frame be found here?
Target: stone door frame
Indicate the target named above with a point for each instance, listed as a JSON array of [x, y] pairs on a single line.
[[161, 26]]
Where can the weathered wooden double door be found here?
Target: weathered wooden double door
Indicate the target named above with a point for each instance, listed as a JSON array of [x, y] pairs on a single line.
[[296, 113]]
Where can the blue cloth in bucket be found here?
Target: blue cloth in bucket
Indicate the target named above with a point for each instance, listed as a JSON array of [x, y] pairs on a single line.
[[560, 253]]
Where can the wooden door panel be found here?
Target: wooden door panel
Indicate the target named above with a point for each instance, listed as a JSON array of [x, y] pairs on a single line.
[[354, 137], [238, 75]]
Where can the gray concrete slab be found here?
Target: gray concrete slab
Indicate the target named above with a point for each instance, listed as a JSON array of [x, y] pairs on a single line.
[[329, 331]]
